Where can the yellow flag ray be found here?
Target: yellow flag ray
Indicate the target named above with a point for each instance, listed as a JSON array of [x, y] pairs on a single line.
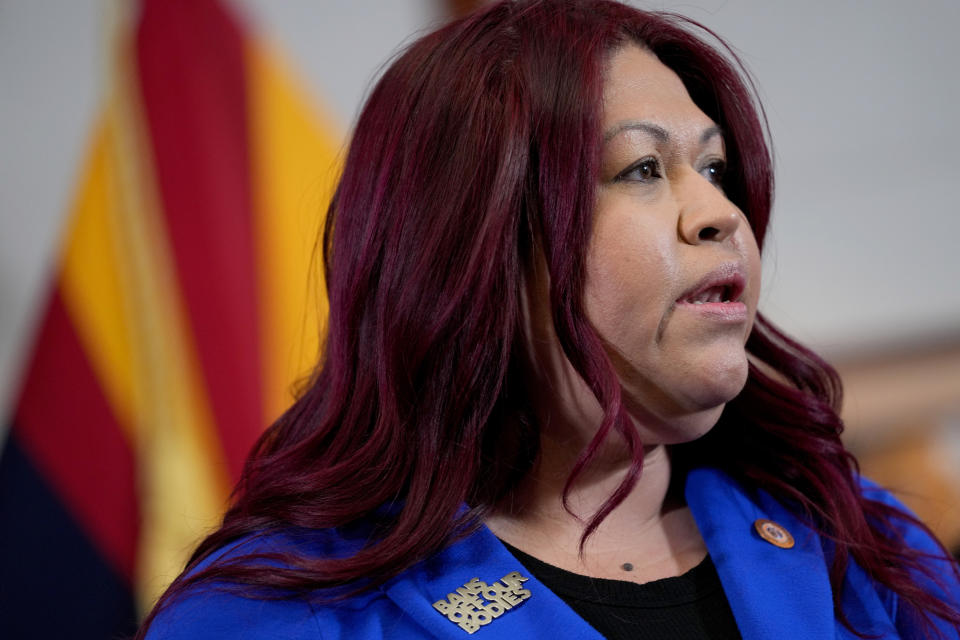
[[183, 477], [120, 290], [91, 282], [294, 155], [294, 164]]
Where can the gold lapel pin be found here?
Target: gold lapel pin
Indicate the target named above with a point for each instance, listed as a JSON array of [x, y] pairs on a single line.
[[477, 603]]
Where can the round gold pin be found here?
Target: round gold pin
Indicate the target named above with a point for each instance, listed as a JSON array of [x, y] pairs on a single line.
[[774, 533]]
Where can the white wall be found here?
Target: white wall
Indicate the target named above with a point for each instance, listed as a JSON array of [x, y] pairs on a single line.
[[49, 93], [861, 99], [339, 46]]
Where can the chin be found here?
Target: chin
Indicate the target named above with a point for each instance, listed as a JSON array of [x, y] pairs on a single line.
[[674, 421], [695, 405], [717, 392], [716, 381]]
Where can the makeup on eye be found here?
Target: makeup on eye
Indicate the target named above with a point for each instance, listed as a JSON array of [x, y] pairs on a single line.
[[649, 168], [670, 145], [643, 170], [714, 171]]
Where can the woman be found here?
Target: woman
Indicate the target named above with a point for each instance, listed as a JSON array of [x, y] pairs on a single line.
[[547, 405]]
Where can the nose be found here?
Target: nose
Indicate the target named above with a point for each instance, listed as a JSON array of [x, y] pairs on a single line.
[[706, 215]]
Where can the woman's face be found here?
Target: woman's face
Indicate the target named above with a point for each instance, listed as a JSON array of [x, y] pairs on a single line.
[[673, 269]]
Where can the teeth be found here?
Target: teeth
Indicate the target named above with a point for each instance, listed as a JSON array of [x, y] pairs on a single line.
[[714, 295]]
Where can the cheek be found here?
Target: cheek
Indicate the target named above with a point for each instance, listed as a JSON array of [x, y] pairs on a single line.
[[626, 272]]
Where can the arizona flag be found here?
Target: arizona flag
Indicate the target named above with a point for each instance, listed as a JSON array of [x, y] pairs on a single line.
[[179, 317]]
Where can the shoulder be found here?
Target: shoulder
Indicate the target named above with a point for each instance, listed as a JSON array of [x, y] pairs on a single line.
[[938, 575], [727, 513], [212, 613], [917, 537], [906, 525], [213, 610]]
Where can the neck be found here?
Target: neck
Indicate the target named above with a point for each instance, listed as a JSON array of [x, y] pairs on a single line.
[[651, 531], [539, 502]]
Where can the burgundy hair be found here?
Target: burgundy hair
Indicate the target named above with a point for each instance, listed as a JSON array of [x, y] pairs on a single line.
[[478, 148]]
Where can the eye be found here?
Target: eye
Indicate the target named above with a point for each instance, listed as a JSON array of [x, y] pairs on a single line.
[[643, 170], [714, 172]]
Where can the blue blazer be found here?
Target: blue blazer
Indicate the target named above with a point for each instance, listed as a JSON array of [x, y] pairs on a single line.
[[476, 588]]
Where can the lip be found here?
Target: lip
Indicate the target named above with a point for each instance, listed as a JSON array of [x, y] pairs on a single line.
[[730, 276]]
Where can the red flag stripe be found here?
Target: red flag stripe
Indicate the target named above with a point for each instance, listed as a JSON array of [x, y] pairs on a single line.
[[191, 66], [66, 426]]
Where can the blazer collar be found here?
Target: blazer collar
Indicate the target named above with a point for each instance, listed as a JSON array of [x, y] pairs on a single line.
[[774, 592]]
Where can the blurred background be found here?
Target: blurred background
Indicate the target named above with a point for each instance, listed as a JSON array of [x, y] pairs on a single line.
[[164, 168]]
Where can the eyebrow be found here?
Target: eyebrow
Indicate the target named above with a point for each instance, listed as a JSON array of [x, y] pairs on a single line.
[[656, 131]]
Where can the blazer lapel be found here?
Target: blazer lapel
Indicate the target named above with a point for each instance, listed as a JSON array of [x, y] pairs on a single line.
[[774, 592], [509, 600]]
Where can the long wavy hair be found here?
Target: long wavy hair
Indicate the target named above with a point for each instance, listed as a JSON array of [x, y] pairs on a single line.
[[478, 149]]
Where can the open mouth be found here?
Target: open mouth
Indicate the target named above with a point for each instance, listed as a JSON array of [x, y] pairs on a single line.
[[721, 286], [720, 293]]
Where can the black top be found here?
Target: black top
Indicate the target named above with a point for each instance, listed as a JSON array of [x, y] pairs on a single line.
[[692, 606]]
